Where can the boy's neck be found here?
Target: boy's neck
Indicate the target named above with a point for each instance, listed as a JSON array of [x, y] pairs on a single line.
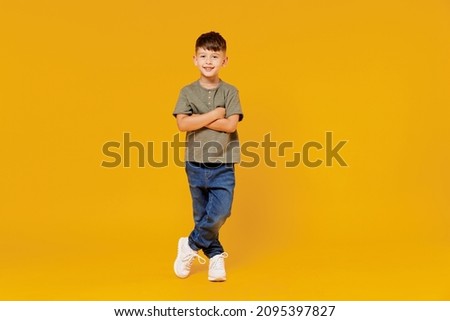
[[209, 83]]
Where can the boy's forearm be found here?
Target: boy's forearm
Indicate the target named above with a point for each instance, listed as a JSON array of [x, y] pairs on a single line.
[[228, 125], [196, 121]]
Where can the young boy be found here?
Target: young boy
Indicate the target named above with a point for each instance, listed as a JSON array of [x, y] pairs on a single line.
[[208, 110]]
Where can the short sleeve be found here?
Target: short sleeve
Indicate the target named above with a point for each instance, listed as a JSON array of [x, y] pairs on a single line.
[[233, 104], [182, 106]]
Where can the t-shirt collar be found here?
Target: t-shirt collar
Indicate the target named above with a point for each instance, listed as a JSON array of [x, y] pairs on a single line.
[[218, 85]]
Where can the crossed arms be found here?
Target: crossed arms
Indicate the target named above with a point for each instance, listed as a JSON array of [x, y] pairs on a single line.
[[214, 119]]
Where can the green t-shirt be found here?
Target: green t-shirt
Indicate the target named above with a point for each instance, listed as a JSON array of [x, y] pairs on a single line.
[[206, 145]]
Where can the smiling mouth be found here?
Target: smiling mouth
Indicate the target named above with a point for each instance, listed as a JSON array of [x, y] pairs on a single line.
[[208, 68]]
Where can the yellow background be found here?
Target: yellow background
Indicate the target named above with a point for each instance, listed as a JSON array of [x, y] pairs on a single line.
[[76, 74]]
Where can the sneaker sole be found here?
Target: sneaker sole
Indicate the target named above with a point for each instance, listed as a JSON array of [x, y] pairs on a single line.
[[176, 273], [217, 279], [175, 263]]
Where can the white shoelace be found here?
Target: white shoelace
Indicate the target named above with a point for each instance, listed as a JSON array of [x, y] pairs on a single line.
[[189, 259]]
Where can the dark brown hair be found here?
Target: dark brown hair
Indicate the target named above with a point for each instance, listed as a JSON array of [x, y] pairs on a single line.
[[211, 41]]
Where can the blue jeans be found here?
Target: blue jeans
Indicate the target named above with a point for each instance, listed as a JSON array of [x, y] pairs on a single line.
[[212, 195]]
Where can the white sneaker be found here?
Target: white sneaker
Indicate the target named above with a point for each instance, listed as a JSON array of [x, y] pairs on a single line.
[[217, 268], [185, 258]]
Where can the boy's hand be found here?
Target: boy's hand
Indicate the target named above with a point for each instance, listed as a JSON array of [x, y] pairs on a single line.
[[220, 112]]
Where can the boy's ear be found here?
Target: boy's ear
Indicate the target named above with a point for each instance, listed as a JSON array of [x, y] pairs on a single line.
[[194, 59], [225, 61]]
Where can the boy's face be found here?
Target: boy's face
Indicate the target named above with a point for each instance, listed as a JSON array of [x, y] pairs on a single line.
[[210, 62]]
